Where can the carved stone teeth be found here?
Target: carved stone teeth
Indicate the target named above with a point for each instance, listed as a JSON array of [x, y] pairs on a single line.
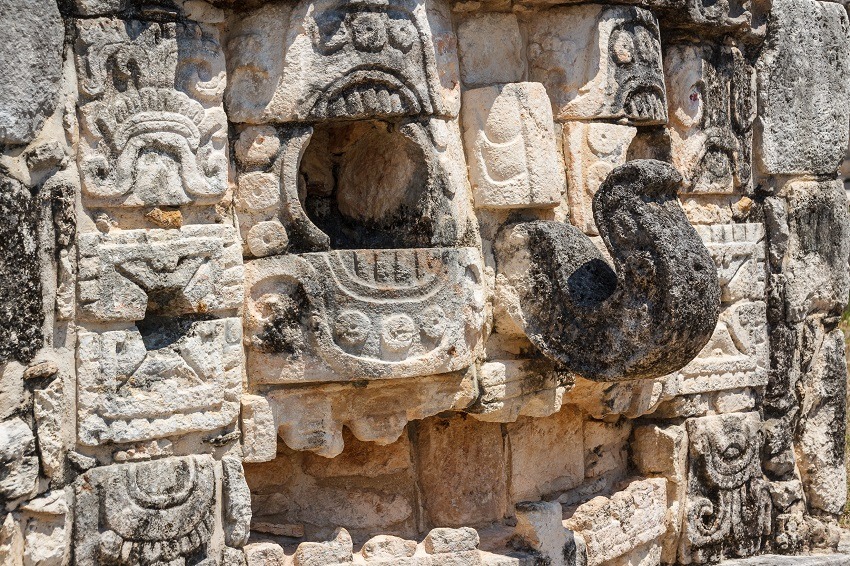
[[355, 105], [395, 103], [386, 106], [370, 100], [337, 108]]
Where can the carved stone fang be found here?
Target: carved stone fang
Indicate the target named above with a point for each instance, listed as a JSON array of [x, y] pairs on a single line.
[[647, 316]]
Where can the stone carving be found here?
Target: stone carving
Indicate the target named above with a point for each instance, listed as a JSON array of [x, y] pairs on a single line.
[[373, 314], [711, 116], [126, 275], [666, 296], [146, 513], [511, 147], [351, 60], [31, 66], [160, 378], [21, 307], [599, 62], [807, 52], [154, 132], [728, 510], [20, 463]]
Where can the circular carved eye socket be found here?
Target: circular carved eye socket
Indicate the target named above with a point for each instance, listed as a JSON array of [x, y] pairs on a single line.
[[623, 47], [352, 328], [398, 333], [402, 33], [369, 30]]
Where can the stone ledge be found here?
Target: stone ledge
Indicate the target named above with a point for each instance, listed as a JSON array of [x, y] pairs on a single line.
[[776, 560]]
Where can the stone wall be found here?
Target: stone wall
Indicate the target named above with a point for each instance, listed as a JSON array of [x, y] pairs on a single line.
[[422, 282]]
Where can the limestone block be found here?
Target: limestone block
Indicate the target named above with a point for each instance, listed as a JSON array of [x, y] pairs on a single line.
[[31, 65], [11, 542], [362, 459], [604, 401], [615, 526], [444, 540], [13, 397], [385, 547], [20, 462], [162, 510], [484, 60], [605, 447], [127, 275], [599, 63], [336, 61], [322, 553], [820, 446], [153, 136], [375, 314], [514, 388], [592, 151], [312, 417], [233, 557], [21, 305], [540, 527], [804, 95], [49, 411], [259, 434], [236, 502], [711, 96], [47, 530], [728, 508], [510, 146], [455, 493], [264, 554], [736, 355], [543, 454], [162, 378], [815, 271]]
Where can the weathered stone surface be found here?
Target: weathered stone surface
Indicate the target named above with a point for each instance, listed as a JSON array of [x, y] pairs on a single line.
[[510, 147], [592, 150], [259, 433], [321, 553], [49, 411], [376, 314], [157, 137], [644, 326], [599, 62], [128, 275], [712, 104], [455, 493], [47, 530], [540, 528], [31, 67], [340, 61], [513, 388], [728, 508], [148, 512], [264, 554], [387, 547], [20, 295], [160, 378], [444, 540], [638, 512], [543, 454], [484, 61], [20, 462], [237, 502], [11, 542], [804, 105]]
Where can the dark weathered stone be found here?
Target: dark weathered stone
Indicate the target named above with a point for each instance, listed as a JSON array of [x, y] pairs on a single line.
[[648, 318], [31, 35], [21, 310]]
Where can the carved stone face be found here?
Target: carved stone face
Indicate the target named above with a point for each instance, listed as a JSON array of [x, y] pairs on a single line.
[[635, 58]]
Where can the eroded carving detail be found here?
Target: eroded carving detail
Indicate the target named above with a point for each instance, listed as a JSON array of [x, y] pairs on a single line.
[[649, 317]]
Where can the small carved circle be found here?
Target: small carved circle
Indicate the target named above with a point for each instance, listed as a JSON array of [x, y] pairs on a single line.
[[352, 328], [398, 332], [402, 34], [434, 322]]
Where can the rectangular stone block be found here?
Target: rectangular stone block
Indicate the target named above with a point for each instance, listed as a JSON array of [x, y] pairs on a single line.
[[155, 136], [599, 63], [511, 148], [164, 378], [510, 388], [804, 105], [486, 60], [127, 275]]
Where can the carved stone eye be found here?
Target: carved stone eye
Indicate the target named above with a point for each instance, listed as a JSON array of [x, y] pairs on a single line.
[[398, 333], [352, 328], [623, 47], [402, 34], [369, 31], [332, 32]]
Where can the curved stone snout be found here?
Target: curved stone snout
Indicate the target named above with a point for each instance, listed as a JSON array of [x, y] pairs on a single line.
[[647, 316]]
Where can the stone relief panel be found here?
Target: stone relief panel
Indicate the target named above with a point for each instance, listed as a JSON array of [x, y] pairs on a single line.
[[599, 63], [728, 508], [146, 513], [154, 132], [160, 378], [346, 60], [372, 314]]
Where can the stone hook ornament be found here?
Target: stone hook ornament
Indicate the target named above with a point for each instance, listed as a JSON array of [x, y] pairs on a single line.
[[645, 317]]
